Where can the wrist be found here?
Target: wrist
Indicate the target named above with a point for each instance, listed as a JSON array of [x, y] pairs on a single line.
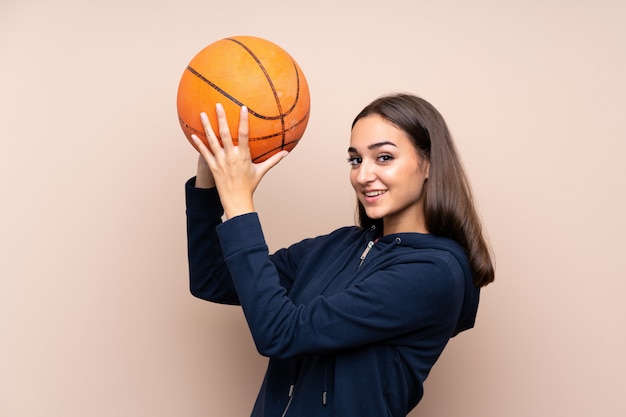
[[237, 208], [204, 178], [204, 182]]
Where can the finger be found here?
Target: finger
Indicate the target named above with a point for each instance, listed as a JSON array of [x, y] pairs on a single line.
[[222, 124], [202, 148], [213, 142], [242, 140]]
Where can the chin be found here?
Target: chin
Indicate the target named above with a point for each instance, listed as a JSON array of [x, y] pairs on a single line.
[[374, 214]]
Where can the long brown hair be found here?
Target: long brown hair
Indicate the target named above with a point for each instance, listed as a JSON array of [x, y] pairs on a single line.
[[448, 205]]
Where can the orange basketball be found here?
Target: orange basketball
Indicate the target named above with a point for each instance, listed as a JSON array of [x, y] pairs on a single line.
[[252, 72]]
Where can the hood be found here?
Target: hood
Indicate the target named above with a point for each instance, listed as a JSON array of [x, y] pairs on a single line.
[[469, 309]]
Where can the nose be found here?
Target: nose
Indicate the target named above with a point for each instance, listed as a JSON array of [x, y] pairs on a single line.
[[365, 173]]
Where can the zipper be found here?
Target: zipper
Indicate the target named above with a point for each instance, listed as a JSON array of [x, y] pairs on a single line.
[[291, 387], [365, 252]]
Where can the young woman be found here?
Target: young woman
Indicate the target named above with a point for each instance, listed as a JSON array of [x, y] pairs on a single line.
[[352, 321]]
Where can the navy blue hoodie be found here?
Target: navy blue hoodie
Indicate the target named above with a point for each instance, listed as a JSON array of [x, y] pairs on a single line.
[[352, 324]]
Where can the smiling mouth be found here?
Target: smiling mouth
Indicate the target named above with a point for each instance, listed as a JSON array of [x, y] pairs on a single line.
[[373, 193]]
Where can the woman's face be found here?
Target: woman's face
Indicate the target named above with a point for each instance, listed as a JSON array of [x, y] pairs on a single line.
[[388, 174]]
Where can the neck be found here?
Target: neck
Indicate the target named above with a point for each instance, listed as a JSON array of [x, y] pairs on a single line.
[[393, 227]]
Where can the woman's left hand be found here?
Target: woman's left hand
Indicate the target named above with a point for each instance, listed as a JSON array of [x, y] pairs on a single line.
[[236, 176]]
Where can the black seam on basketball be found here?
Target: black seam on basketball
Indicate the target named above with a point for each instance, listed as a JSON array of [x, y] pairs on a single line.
[[250, 139], [295, 102], [295, 125], [189, 127], [295, 142], [233, 99], [270, 82], [213, 85], [228, 96]]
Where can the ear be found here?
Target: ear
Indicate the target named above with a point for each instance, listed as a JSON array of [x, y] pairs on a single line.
[[426, 167]]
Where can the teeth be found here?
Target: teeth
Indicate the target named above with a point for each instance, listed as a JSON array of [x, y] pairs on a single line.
[[373, 193]]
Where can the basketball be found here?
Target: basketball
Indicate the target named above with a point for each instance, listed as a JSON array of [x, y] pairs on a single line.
[[252, 72]]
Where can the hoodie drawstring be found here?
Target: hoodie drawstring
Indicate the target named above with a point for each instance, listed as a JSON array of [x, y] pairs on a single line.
[[325, 388], [295, 367]]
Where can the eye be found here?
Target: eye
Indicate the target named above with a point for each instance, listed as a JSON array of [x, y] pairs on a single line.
[[385, 157], [354, 160]]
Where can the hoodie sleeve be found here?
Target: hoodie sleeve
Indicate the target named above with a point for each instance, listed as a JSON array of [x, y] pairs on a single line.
[[390, 303], [209, 277]]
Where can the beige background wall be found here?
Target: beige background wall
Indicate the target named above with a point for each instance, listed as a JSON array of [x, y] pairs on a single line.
[[95, 315]]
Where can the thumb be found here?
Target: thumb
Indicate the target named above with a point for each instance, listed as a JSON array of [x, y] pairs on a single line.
[[271, 162]]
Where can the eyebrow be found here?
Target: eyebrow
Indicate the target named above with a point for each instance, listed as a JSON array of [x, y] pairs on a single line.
[[373, 146]]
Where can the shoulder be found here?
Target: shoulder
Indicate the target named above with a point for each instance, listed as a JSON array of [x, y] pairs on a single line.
[[428, 260], [423, 247], [341, 236]]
